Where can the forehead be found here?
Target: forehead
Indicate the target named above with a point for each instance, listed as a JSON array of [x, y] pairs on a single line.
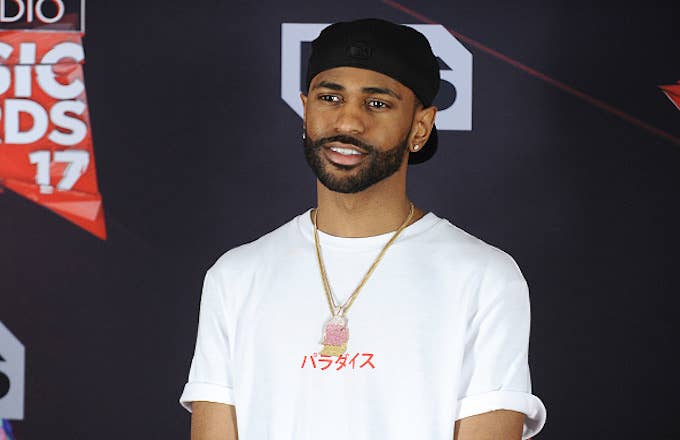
[[357, 78]]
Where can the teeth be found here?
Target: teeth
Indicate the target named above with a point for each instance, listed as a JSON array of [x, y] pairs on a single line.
[[344, 150]]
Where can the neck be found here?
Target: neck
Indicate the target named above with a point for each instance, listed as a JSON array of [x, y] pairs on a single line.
[[376, 210]]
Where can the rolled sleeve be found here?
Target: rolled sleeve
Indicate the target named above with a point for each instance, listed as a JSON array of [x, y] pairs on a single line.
[[211, 375], [207, 392], [495, 370], [532, 407]]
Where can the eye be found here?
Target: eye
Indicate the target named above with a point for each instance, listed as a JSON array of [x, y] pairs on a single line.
[[376, 104], [329, 98]]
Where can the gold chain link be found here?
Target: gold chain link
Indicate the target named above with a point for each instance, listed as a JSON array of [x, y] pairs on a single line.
[[345, 307]]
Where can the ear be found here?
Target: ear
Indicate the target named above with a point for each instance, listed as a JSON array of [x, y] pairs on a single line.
[[303, 98], [423, 121]]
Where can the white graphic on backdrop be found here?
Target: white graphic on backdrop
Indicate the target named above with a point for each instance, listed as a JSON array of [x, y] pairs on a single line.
[[12, 360], [28, 11], [456, 117], [56, 15]]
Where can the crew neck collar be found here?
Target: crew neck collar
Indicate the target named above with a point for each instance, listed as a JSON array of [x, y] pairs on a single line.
[[306, 226]]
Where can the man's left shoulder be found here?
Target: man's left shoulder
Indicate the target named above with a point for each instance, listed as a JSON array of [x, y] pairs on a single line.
[[478, 253]]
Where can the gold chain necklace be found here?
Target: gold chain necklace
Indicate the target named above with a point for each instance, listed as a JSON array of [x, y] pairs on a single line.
[[336, 333]]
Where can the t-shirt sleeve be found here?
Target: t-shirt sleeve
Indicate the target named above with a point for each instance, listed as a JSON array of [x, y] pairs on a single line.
[[495, 370], [210, 375]]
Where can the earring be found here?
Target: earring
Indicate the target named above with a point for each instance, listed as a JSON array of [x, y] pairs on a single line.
[[303, 135], [415, 147]]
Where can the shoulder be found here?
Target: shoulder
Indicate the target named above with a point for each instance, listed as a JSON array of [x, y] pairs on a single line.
[[243, 259], [453, 245], [487, 274]]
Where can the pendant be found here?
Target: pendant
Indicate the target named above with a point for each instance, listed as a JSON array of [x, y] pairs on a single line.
[[335, 336]]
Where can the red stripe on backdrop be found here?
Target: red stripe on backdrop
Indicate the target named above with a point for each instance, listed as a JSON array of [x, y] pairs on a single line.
[[535, 73]]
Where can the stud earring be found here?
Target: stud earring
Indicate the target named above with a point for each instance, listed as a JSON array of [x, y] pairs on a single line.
[[415, 147], [303, 135]]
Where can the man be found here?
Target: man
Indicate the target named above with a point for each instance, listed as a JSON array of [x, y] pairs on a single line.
[[366, 317]]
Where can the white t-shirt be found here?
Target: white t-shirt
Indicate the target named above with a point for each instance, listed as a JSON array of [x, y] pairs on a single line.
[[440, 331]]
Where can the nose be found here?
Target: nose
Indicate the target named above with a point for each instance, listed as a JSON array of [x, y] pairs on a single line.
[[350, 119]]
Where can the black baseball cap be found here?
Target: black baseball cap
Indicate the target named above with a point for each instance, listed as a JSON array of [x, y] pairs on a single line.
[[395, 50]]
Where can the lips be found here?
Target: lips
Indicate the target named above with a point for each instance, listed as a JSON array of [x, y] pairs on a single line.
[[344, 154]]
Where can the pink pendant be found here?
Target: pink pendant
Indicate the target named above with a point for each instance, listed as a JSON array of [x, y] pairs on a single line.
[[335, 336]]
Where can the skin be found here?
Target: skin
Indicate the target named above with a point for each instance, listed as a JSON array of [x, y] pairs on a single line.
[[379, 119], [213, 421], [378, 111]]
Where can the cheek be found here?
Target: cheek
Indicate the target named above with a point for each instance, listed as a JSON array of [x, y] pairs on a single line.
[[316, 124], [391, 131], [382, 130]]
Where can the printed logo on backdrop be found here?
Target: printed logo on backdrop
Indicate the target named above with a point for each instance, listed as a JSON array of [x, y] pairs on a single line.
[[46, 149], [454, 101], [12, 359], [57, 15]]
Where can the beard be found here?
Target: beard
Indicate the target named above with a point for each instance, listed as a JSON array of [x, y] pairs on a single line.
[[376, 165]]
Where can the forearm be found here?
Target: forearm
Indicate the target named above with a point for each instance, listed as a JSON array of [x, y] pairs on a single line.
[[493, 425], [213, 421]]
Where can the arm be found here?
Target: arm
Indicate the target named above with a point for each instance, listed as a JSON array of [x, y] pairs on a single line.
[[493, 425], [213, 421], [495, 369]]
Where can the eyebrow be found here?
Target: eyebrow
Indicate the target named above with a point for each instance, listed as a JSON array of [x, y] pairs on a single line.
[[371, 90], [381, 91]]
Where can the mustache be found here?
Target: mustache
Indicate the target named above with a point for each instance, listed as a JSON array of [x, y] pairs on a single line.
[[345, 139]]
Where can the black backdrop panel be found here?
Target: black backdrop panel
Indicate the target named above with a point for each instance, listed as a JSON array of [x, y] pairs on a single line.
[[196, 153]]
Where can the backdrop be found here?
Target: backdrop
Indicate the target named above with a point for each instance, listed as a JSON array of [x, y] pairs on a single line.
[[571, 166]]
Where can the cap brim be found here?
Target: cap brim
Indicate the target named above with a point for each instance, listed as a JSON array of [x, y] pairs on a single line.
[[427, 151]]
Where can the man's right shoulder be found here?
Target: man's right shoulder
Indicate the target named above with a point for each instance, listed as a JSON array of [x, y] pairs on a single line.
[[255, 253]]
